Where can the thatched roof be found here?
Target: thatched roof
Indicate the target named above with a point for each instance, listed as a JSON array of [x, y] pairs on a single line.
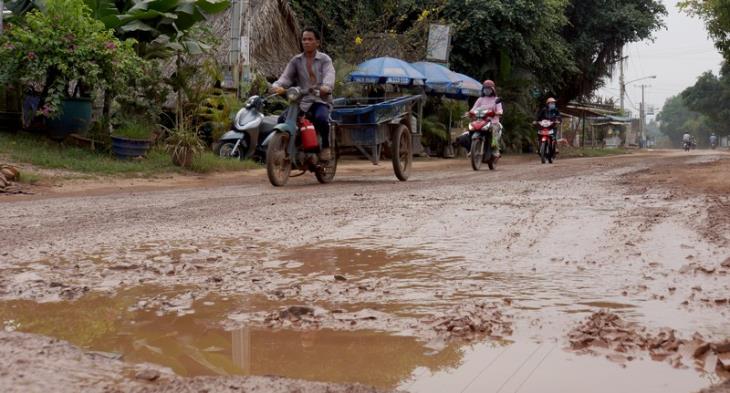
[[274, 36]]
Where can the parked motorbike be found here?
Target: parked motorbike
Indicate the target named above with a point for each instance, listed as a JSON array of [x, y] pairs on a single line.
[[250, 128], [481, 128], [546, 140], [295, 144]]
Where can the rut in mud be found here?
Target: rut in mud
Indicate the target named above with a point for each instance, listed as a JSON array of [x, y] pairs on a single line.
[[453, 281]]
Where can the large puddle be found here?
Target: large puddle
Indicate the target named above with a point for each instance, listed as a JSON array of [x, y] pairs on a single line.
[[193, 343], [545, 289]]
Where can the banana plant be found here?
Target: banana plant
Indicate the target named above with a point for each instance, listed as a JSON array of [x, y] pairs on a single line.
[[159, 26]]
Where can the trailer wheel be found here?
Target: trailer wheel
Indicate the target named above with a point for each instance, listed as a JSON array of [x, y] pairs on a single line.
[[402, 153]]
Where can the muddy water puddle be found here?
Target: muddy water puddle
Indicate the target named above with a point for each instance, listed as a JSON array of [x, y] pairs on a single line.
[[546, 288], [194, 344]]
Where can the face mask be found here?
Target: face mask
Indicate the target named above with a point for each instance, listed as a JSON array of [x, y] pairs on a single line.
[[551, 106], [487, 91]]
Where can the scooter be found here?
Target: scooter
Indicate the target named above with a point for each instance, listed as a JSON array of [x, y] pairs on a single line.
[[250, 127], [546, 140], [481, 128], [295, 144]]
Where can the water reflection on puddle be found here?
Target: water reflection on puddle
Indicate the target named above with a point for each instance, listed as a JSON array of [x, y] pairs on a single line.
[[526, 367]]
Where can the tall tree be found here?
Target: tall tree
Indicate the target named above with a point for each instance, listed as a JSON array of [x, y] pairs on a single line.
[[676, 119], [710, 96], [597, 30]]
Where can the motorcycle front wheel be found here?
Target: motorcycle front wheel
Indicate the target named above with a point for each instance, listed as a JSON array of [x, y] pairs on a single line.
[[551, 152], [278, 165], [543, 151], [225, 150], [477, 152]]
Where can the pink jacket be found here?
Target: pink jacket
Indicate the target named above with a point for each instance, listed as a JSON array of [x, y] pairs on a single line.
[[491, 104]]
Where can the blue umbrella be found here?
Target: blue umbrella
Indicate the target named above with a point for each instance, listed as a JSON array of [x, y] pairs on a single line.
[[387, 70], [439, 79], [468, 87]]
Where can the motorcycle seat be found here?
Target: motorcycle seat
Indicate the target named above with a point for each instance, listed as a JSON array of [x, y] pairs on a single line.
[[268, 124]]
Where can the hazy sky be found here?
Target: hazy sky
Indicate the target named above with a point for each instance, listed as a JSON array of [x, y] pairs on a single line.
[[680, 53]]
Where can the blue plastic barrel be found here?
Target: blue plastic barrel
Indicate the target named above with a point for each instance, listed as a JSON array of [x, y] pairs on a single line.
[[125, 148], [75, 118]]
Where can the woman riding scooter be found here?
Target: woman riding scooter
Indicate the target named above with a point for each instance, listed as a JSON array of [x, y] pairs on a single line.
[[492, 103]]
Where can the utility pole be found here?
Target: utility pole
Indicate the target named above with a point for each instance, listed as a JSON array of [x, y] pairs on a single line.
[[621, 80], [239, 53], [246, 40], [642, 118], [234, 50]]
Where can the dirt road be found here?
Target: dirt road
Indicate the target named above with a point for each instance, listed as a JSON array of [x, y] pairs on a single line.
[[601, 275]]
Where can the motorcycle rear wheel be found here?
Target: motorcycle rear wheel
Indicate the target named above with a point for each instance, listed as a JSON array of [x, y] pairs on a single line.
[[326, 173], [278, 165]]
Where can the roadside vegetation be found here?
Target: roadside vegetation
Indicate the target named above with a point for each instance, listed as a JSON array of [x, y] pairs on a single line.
[[42, 153]]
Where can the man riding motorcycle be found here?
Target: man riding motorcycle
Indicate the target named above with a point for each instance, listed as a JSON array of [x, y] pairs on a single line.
[[314, 73], [713, 140], [492, 103], [686, 141], [550, 112]]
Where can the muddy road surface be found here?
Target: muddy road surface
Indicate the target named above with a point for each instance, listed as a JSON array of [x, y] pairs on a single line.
[[601, 275]]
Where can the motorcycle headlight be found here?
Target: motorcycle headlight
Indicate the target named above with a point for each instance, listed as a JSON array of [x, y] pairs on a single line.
[[293, 94]]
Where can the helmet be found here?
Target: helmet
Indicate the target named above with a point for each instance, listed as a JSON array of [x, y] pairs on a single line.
[[551, 100], [489, 84]]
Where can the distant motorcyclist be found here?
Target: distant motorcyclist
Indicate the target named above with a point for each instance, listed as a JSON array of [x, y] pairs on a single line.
[[550, 112], [311, 70], [713, 140]]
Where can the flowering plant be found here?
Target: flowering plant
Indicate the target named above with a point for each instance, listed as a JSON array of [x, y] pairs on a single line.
[[62, 51]]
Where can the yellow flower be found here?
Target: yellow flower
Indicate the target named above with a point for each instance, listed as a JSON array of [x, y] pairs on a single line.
[[358, 40], [423, 15]]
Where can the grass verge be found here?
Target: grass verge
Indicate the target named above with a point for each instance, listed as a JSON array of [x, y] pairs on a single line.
[[38, 151]]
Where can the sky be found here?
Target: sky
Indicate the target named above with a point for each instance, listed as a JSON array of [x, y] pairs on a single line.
[[680, 53]]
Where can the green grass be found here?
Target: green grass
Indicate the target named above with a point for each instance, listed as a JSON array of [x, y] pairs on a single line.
[[38, 151], [29, 178], [572, 152], [134, 129]]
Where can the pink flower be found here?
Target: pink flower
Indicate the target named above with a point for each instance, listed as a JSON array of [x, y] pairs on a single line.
[[111, 45], [32, 56], [46, 110]]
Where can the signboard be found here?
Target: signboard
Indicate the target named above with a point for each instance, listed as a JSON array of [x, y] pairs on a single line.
[[438, 43]]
